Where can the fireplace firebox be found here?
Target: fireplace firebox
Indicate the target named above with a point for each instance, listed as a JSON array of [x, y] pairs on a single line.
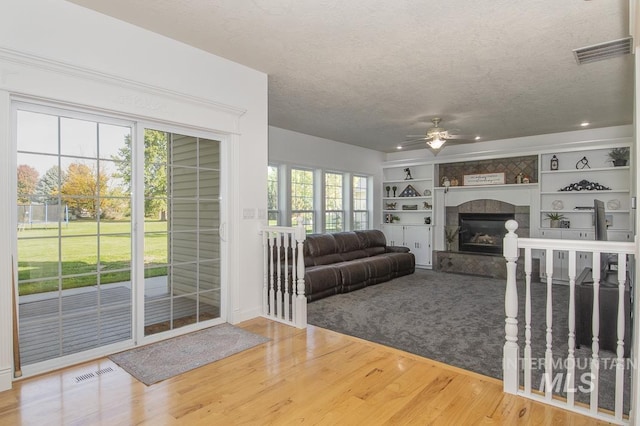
[[482, 232]]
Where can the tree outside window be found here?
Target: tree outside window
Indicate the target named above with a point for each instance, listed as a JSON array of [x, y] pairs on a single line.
[[302, 198], [272, 196], [360, 203], [333, 196]]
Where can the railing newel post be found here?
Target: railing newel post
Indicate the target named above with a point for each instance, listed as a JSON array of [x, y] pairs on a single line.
[[511, 351]]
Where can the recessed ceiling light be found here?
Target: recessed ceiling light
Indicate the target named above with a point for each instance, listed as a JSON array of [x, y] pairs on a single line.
[[477, 138], [585, 123], [398, 147]]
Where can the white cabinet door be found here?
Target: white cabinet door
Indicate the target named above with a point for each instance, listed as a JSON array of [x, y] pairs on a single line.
[[418, 239], [394, 235], [415, 237]]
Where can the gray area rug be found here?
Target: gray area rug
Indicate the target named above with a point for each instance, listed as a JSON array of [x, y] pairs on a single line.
[[159, 361], [458, 320]]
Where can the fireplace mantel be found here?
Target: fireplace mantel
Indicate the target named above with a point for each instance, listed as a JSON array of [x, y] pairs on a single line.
[[516, 194]]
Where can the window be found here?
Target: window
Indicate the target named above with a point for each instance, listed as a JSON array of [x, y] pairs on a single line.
[[333, 212], [360, 203], [272, 195], [302, 198]]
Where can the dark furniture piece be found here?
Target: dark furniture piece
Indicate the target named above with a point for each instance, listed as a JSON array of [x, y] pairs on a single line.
[[345, 261], [608, 295]]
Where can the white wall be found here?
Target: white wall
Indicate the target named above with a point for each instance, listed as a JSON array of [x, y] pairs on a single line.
[[299, 149], [58, 51]]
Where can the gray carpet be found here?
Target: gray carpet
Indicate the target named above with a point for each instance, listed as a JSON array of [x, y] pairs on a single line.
[[457, 320], [159, 361]]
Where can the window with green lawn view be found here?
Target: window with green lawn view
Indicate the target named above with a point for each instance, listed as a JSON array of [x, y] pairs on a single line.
[[302, 198], [360, 203], [272, 193], [333, 212]]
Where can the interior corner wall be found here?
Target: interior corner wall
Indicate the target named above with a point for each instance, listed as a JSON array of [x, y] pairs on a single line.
[[60, 52], [299, 149]]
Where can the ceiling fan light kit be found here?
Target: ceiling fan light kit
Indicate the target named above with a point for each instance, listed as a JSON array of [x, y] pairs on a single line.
[[436, 143], [435, 137]]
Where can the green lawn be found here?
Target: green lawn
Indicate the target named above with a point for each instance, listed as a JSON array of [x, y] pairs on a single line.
[[39, 248]]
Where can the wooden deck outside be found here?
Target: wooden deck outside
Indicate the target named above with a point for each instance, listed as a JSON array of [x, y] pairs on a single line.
[[311, 376], [44, 334]]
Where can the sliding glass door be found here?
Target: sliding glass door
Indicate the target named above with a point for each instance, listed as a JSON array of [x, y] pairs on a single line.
[[117, 232], [182, 240], [74, 233]]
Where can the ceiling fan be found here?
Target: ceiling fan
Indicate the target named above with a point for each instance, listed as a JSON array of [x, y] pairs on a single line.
[[436, 137]]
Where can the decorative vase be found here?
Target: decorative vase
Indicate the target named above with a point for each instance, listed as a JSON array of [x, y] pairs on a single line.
[[619, 163]]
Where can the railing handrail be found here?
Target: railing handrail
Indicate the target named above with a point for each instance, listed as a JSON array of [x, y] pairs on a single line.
[[578, 245]]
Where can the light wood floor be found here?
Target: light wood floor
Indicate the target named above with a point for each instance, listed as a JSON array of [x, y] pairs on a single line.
[[311, 376]]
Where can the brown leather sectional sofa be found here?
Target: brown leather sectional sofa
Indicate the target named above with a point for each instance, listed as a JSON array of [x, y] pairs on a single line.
[[346, 261]]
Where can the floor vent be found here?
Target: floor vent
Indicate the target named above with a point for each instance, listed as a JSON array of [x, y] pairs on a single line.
[[84, 377], [104, 371], [87, 376], [602, 51]]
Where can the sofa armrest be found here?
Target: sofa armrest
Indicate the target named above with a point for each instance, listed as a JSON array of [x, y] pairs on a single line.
[[396, 249]]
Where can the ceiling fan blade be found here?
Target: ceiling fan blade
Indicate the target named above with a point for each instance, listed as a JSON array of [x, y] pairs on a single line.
[[460, 141], [412, 142], [459, 136], [417, 136]]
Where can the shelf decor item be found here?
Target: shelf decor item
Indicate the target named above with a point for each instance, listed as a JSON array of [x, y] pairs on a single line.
[[554, 163], [554, 219], [387, 188], [427, 193], [585, 185], [407, 172], [450, 235], [426, 205], [583, 163], [484, 179], [390, 206], [409, 191], [395, 188], [410, 207], [619, 156], [557, 205], [613, 204]]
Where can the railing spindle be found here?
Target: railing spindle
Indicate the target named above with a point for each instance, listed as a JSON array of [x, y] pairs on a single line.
[[548, 354], [595, 332], [527, 321], [571, 359], [622, 268]]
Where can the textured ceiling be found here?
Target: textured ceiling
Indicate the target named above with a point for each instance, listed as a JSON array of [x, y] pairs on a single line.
[[369, 72]]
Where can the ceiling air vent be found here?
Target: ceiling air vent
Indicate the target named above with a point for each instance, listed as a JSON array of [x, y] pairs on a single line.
[[599, 52]]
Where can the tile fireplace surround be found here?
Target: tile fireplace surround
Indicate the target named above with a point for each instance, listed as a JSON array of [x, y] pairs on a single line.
[[481, 264]]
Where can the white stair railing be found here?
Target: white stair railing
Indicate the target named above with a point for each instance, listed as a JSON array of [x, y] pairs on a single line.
[[515, 367], [283, 297]]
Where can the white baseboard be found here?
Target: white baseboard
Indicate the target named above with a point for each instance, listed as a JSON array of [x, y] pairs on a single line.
[[6, 379], [240, 316]]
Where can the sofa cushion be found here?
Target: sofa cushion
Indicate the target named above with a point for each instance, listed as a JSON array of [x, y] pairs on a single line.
[[327, 259], [372, 241], [349, 246], [321, 244], [401, 263], [380, 269], [322, 281], [354, 274]]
